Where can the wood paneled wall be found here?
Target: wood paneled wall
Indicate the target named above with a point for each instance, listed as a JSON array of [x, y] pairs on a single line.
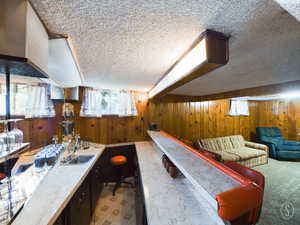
[[196, 120], [282, 114], [188, 120], [113, 129]]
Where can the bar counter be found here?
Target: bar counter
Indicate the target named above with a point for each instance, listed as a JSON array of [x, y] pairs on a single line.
[[207, 179], [167, 200], [55, 190], [187, 199]]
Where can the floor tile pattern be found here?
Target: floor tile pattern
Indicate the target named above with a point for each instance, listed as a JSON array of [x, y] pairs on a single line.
[[115, 210]]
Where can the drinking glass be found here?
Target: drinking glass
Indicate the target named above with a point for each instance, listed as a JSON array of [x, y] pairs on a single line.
[[18, 134], [2, 143], [8, 138]]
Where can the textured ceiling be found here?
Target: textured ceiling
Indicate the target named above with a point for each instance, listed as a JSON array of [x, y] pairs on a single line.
[[131, 44], [292, 6]]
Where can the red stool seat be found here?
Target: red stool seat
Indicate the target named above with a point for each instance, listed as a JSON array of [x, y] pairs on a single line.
[[118, 160], [2, 176]]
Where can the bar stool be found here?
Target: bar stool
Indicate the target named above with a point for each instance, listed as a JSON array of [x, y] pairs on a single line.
[[119, 161], [2, 176]]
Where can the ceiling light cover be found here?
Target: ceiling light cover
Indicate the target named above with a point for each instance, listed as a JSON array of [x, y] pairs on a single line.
[[209, 52], [295, 94], [189, 62]]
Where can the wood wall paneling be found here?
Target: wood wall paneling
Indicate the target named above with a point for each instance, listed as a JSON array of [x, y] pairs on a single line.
[[194, 120], [190, 120], [282, 114], [114, 129]]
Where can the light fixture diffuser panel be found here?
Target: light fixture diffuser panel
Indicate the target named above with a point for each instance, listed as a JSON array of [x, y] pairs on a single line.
[[210, 52]]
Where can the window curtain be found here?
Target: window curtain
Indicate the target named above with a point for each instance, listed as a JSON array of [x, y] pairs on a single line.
[[107, 102], [91, 104], [239, 108], [127, 105], [38, 102]]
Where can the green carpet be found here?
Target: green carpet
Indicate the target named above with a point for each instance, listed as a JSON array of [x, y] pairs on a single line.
[[282, 193]]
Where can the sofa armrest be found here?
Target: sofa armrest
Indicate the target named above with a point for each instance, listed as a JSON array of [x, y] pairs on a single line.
[[272, 148], [257, 146]]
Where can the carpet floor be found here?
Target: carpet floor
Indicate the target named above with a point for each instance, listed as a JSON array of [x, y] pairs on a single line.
[[282, 193], [115, 210]]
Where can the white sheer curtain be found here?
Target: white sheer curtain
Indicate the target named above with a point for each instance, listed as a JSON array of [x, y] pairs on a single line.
[[127, 105], [107, 102], [91, 104], [38, 103], [239, 108]]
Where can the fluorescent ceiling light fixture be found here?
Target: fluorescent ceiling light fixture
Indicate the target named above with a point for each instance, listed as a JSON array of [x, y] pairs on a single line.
[[207, 53], [189, 62], [295, 94]]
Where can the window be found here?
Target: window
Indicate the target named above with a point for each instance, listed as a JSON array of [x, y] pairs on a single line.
[[109, 102], [18, 99], [27, 100], [97, 103], [239, 108]]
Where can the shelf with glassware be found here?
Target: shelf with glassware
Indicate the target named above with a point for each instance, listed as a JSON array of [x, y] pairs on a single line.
[[11, 142], [11, 145]]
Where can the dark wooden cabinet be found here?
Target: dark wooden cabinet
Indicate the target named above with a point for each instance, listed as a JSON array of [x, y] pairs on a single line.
[[79, 208], [95, 186], [61, 220]]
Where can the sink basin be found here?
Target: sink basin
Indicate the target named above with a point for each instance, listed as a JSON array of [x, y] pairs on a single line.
[[80, 159]]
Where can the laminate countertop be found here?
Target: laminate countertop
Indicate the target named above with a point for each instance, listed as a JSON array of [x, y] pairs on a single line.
[[206, 178], [56, 189], [170, 201]]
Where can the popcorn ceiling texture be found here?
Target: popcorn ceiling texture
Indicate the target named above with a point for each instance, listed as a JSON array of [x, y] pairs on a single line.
[[130, 44], [292, 6]]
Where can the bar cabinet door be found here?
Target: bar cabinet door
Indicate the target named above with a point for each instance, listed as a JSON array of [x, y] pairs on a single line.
[[80, 206]]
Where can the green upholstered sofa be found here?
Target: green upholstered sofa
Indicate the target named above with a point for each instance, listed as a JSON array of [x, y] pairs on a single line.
[[279, 148]]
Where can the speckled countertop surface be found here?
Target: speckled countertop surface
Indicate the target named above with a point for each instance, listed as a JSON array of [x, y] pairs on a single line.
[[206, 178], [170, 201], [55, 190]]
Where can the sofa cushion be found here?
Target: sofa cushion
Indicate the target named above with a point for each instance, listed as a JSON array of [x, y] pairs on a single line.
[[273, 140], [292, 143], [230, 156], [288, 147], [237, 141], [268, 131], [247, 153], [217, 144]]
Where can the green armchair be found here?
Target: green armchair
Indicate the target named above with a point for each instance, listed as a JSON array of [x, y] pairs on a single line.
[[278, 147]]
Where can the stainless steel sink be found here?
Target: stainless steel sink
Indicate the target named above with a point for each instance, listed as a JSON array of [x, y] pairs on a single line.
[[80, 159]]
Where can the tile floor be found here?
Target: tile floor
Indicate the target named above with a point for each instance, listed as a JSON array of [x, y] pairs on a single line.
[[115, 210]]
